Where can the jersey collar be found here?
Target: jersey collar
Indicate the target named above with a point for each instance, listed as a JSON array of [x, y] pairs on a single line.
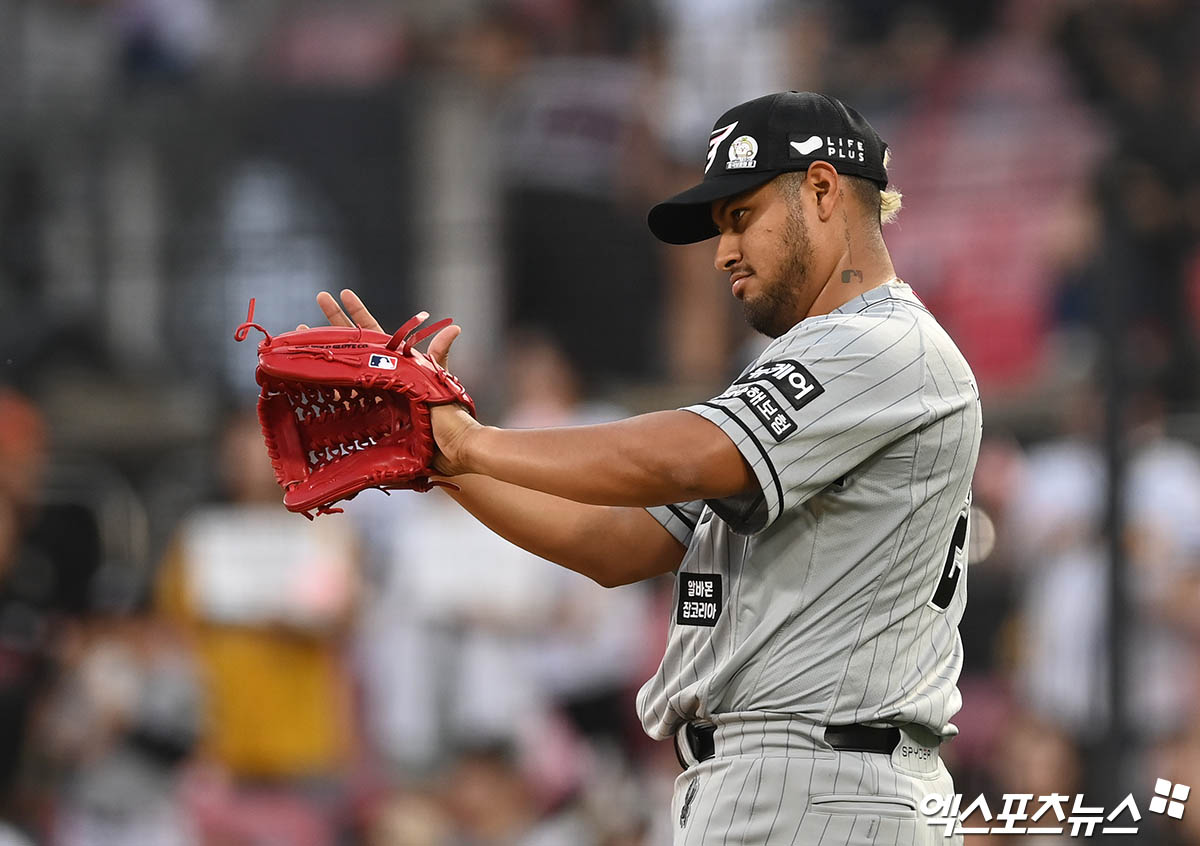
[[893, 289]]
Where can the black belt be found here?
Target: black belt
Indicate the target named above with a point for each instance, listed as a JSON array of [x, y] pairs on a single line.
[[854, 738]]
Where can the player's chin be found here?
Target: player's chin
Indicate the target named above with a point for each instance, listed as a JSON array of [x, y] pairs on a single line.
[[763, 316]]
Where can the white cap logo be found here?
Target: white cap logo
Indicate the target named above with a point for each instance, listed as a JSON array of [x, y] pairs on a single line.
[[714, 141], [806, 147]]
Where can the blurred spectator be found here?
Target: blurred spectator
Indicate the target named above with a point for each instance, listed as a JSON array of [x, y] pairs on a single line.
[[1034, 758], [997, 113], [25, 658], [590, 641], [409, 819], [164, 40], [780, 46], [124, 717], [1059, 520], [1073, 249], [265, 598], [355, 46], [694, 88], [28, 607], [23, 444], [491, 802]]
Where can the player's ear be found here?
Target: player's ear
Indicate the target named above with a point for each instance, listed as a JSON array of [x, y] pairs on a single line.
[[823, 180]]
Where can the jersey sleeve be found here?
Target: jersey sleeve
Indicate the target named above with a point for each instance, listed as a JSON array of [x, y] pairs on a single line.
[[679, 519], [818, 402]]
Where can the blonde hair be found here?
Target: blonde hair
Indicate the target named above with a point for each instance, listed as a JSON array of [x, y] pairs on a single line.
[[890, 199]]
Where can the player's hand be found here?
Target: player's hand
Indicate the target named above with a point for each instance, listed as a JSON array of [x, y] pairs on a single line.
[[451, 423], [355, 314]]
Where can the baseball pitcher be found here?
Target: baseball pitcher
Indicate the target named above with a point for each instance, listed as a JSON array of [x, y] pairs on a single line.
[[814, 514]]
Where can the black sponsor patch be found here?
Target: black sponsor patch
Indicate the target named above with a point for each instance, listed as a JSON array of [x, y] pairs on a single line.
[[699, 599], [765, 408], [789, 379], [795, 384]]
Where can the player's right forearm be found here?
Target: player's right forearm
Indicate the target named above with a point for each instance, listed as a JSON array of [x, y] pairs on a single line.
[[610, 545]]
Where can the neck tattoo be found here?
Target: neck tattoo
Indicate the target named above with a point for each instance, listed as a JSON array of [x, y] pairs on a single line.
[[848, 276]]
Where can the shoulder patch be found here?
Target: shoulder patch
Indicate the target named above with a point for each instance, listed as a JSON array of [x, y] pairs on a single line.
[[789, 377], [765, 408], [759, 387]]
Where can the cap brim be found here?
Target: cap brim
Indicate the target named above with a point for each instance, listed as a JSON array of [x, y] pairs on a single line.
[[687, 217]]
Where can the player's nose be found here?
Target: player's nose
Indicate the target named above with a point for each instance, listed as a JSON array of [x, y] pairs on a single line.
[[729, 252]]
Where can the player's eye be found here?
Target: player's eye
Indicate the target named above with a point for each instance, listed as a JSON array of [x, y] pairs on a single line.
[[737, 214]]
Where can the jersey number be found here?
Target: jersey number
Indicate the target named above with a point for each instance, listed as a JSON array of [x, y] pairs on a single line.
[[956, 562]]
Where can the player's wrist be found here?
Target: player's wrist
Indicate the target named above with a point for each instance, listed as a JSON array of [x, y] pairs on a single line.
[[469, 449], [454, 430]]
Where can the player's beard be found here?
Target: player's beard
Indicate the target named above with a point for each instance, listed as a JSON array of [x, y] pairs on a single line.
[[779, 305]]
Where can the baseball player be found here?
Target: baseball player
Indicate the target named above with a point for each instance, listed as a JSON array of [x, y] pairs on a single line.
[[814, 514]]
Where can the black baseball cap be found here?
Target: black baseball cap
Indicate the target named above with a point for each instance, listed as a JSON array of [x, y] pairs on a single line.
[[754, 142]]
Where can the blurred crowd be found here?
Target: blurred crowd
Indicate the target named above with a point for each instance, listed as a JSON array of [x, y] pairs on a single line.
[[184, 662]]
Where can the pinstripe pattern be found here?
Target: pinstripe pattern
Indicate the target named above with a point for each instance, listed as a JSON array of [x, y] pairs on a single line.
[[761, 791], [829, 568], [828, 573], [819, 811]]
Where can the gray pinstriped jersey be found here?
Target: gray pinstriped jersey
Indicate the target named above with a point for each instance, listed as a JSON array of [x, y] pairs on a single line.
[[834, 593]]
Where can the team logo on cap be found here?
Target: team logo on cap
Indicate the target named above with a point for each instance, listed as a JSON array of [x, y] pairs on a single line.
[[742, 153], [714, 141]]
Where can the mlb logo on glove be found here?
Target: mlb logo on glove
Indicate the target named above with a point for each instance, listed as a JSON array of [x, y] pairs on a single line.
[[382, 362]]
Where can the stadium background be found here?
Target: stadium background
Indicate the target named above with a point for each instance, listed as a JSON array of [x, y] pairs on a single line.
[[182, 662]]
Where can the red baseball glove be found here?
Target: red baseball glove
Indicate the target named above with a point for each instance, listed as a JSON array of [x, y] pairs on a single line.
[[346, 409]]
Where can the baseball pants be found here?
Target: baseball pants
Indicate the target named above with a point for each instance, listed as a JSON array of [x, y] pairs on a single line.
[[774, 782]]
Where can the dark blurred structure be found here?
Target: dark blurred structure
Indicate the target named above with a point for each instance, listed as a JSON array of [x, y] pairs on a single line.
[[1135, 64]]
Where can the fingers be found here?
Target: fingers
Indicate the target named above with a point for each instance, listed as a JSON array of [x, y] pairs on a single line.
[[358, 312], [439, 347], [332, 311], [300, 326]]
